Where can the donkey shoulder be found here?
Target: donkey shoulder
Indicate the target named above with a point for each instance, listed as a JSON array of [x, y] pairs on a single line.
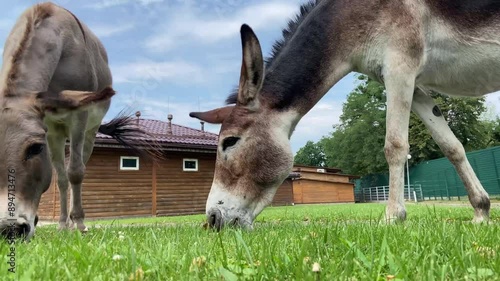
[[467, 14]]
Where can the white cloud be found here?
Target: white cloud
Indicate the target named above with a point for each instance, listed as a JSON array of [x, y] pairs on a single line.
[[316, 123], [155, 72], [113, 3], [493, 103], [104, 30], [187, 26]]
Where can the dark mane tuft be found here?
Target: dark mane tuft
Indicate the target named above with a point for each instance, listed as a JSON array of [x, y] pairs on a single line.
[[288, 32], [233, 97]]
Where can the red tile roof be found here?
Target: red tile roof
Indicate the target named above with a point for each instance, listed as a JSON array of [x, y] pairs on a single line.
[[178, 135]]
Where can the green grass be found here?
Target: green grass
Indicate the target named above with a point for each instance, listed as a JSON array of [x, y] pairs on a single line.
[[435, 243]]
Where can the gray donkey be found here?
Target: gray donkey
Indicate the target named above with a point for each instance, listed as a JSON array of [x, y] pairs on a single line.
[[55, 84], [411, 46]]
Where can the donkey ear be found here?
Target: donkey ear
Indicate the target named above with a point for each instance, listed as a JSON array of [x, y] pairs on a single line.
[[71, 100], [214, 116], [252, 67]]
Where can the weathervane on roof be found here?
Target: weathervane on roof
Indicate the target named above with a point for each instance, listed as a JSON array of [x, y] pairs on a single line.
[[169, 130], [138, 115], [201, 122]]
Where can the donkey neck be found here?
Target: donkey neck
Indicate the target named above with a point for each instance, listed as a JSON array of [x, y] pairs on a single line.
[[307, 66], [31, 55]]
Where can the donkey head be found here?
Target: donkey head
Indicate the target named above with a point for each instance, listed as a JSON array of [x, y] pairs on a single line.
[[25, 166], [254, 155]]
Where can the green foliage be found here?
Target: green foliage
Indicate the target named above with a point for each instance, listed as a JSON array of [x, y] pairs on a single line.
[[357, 144], [464, 119], [493, 126], [346, 240], [311, 154]]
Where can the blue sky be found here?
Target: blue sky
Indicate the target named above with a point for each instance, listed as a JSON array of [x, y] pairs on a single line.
[[178, 56]]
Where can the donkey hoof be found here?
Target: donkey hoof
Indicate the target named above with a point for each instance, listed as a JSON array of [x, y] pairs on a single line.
[[63, 226], [397, 216], [80, 226], [481, 215], [480, 219]]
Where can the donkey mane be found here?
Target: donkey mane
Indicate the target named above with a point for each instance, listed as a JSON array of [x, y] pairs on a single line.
[[279, 45], [41, 12]]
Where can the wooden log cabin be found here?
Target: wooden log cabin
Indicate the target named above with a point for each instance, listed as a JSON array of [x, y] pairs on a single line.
[[120, 183], [309, 185]]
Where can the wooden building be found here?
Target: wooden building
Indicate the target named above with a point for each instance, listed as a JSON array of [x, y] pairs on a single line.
[[307, 185], [284, 194], [119, 183]]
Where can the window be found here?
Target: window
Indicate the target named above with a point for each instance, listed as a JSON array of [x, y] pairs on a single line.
[[190, 165], [129, 163]]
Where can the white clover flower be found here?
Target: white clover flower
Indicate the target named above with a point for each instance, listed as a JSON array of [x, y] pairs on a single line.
[[316, 267]]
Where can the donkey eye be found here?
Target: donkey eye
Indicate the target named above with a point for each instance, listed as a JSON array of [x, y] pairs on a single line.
[[34, 150], [229, 141]]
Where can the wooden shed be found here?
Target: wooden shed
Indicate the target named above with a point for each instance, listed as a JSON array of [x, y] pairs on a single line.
[[119, 183], [284, 194], [317, 185]]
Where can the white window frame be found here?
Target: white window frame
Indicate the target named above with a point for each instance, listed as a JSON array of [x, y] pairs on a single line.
[[188, 169], [129, 168]]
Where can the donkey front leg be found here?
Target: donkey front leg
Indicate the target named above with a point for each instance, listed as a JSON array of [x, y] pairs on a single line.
[[56, 145], [425, 107], [76, 171], [400, 89]]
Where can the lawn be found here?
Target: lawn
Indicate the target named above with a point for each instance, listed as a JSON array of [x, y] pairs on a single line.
[[343, 242]]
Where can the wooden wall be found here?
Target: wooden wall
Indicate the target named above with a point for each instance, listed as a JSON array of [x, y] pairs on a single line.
[[307, 191], [46, 206], [165, 189], [284, 194], [179, 192], [162, 190]]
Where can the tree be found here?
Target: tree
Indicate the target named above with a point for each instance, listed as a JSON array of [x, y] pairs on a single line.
[[464, 119], [310, 155], [493, 126], [357, 144]]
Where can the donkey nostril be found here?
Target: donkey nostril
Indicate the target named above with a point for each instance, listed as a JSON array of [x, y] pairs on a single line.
[[235, 222], [24, 229], [213, 220], [16, 231]]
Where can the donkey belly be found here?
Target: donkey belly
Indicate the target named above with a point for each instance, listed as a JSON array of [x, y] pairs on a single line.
[[77, 73], [459, 69]]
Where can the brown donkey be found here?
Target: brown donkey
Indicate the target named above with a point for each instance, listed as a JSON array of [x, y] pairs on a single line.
[[411, 46], [55, 84]]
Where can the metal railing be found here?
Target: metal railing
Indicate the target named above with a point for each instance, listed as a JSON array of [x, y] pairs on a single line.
[[441, 190], [381, 193]]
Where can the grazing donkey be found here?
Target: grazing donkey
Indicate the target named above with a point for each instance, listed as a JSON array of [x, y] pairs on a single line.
[[55, 84], [411, 46]]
